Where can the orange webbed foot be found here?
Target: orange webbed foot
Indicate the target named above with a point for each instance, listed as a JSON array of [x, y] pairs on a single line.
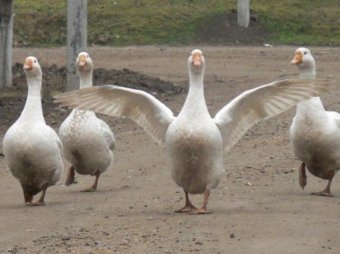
[[91, 189], [200, 211], [186, 209], [324, 193]]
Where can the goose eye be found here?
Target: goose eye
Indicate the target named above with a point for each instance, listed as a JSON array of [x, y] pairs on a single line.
[[305, 53], [35, 61]]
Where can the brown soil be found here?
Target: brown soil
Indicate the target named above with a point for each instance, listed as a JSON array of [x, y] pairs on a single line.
[[54, 80], [258, 206]]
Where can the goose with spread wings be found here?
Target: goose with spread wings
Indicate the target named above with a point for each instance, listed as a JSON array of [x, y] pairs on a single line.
[[194, 140]]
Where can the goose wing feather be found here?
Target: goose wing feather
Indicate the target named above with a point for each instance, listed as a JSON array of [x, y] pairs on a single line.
[[262, 102], [141, 107]]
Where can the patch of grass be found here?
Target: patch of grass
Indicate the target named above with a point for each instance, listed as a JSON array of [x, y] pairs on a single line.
[[153, 22], [301, 21], [141, 22]]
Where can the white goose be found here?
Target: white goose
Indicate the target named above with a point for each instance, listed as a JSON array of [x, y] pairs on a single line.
[[32, 149], [315, 132], [194, 140], [88, 141]]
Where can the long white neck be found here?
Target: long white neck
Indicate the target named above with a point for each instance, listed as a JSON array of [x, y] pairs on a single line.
[[307, 72], [33, 109], [195, 101], [85, 78], [314, 105]]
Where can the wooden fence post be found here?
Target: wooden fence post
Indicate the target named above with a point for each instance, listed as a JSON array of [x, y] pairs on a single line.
[[6, 40], [243, 13], [76, 39]]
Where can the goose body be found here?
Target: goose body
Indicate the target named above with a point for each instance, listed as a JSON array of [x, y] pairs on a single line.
[[88, 141], [194, 140], [32, 149], [315, 132]]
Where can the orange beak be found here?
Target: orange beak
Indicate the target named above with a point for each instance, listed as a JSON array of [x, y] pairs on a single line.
[[82, 61], [297, 58], [28, 64], [197, 59]]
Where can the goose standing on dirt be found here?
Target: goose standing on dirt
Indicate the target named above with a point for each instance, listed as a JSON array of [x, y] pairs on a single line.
[[194, 141], [32, 149], [88, 141], [315, 132]]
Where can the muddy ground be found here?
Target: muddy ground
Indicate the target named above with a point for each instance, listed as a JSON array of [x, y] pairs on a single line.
[[258, 206]]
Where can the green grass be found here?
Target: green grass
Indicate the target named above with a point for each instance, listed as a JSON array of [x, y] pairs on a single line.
[[173, 22], [301, 21]]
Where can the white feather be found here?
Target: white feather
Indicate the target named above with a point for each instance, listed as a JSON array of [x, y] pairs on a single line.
[[259, 103], [117, 101]]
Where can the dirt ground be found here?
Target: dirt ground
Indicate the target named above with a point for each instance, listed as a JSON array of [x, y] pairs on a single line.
[[258, 206]]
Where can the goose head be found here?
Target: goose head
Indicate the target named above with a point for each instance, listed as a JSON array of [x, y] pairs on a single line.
[[32, 67], [305, 62], [84, 62], [196, 62]]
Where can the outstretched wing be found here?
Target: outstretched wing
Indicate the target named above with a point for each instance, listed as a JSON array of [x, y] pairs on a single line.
[[262, 102], [118, 101]]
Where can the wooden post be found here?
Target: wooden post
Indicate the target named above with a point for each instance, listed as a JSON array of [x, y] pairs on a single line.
[[76, 39], [6, 39], [243, 13]]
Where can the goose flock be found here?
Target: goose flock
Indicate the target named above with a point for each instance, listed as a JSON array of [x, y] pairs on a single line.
[[195, 141]]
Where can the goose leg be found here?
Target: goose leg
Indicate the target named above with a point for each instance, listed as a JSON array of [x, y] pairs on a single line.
[[203, 209], [327, 191], [302, 175], [41, 201], [70, 176], [188, 207], [94, 186], [28, 198]]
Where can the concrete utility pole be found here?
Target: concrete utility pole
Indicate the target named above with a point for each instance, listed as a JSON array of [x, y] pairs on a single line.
[[76, 39], [243, 13], [6, 39]]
